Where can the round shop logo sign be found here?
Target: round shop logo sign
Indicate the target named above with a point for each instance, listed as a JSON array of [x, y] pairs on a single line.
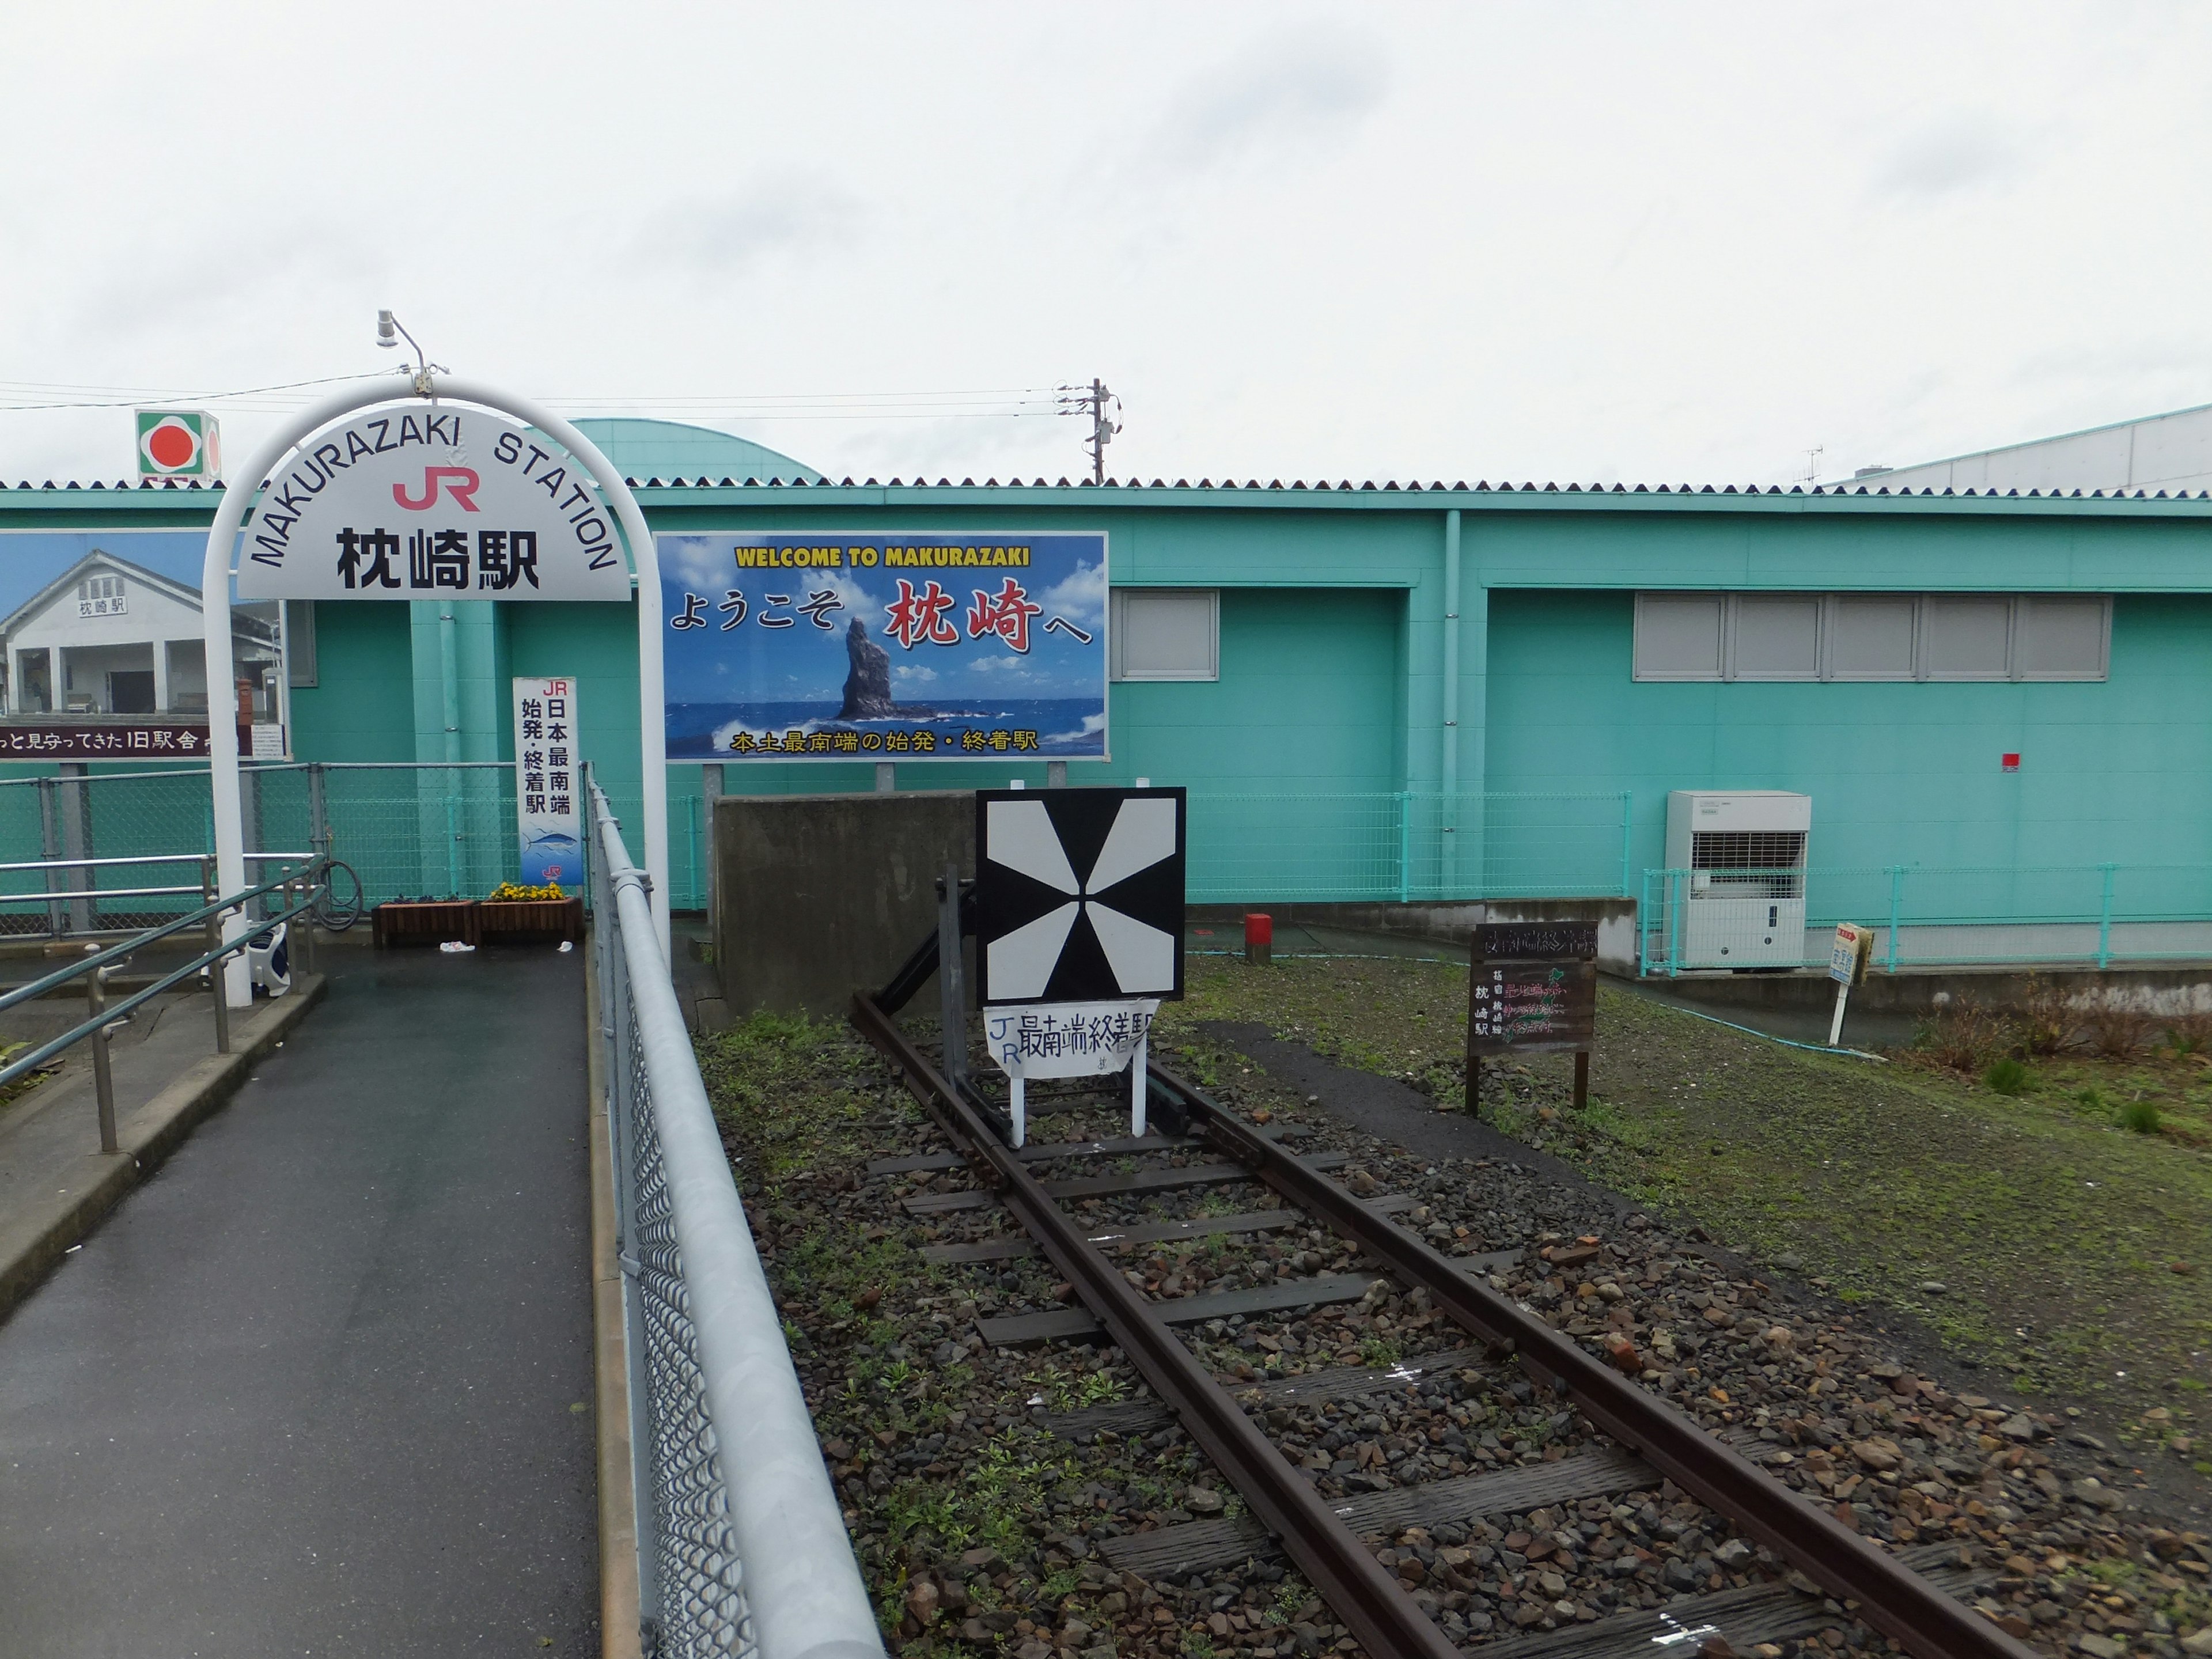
[[172, 444], [426, 500]]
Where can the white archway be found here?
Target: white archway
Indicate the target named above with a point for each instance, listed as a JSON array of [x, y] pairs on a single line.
[[214, 617]]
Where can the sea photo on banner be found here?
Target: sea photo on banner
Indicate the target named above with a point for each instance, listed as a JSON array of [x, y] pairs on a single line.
[[874, 646], [102, 655]]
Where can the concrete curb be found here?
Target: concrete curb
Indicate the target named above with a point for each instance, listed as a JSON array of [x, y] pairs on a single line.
[[32, 1243], [620, 1634]]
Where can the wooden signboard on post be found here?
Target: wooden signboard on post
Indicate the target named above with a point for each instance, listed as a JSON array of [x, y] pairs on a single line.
[[1532, 988]]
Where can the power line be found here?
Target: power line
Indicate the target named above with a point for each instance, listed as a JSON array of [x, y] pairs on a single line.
[[1005, 401], [1095, 402], [149, 394]]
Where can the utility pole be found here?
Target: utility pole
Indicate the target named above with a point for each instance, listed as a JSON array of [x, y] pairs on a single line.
[[1095, 399]]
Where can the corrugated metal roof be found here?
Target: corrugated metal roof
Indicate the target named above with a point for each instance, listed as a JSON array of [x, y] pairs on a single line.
[[1254, 486]]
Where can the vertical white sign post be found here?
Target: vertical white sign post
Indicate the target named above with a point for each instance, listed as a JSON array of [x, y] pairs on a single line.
[[1847, 966], [428, 496], [548, 775]]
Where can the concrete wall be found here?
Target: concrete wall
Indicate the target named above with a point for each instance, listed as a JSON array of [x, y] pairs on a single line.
[[2153, 991], [819, 896]]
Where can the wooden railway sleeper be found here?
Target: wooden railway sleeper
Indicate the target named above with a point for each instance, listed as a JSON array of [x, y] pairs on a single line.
[[1891, 1598], [1370, 1600]]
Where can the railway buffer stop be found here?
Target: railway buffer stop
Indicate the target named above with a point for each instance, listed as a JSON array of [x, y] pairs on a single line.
[[1070, 888]]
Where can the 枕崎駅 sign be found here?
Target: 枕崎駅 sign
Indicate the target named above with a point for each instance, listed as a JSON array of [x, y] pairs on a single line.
[[431, 501]]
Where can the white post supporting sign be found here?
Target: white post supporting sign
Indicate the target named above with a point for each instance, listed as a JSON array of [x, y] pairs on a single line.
[[1847, 966], [437, 490], [1070, 1039]]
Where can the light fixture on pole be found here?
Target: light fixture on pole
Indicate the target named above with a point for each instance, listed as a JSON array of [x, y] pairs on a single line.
[[389, 332]]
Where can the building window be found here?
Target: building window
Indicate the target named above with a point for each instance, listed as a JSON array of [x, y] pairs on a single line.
[[1873, 636], [1166, 634], [299, 641]]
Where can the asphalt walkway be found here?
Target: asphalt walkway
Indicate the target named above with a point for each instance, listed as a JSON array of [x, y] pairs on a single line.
[[323, 1385]]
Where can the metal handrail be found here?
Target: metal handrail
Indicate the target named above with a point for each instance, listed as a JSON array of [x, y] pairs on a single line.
[[90, 864], [43, 897], [115, 953], [802, 1594], [107, 1016]]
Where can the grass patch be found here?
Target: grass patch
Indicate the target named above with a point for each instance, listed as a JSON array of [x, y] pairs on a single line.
[[2140, 1117], [2076, 1254]]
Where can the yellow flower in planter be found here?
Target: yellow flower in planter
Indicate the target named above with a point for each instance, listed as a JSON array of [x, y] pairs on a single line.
[[508, 891]]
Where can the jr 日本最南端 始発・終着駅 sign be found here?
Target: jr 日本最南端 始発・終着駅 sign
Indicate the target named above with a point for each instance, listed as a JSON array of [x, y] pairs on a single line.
[[431, 501], [873, 647]]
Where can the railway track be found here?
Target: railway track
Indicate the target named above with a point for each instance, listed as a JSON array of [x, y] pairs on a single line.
[[1613, 1444]]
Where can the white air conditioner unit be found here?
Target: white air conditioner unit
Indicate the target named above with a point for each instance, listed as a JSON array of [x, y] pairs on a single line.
[[1736, 895]]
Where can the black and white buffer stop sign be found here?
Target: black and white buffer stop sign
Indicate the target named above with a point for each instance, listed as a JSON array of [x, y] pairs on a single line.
[[1078, 894]]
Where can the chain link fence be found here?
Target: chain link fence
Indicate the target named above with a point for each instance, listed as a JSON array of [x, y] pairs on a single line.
[[1409, 847], [690, 1580], [1927, 916], [742, 1548], [406, 830]]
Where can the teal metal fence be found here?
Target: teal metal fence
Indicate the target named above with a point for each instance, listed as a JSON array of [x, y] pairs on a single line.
[[1407, 846], [1924, 916], [405, 830]]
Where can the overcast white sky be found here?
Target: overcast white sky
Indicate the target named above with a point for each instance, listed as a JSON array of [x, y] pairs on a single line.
[[1549, 241]]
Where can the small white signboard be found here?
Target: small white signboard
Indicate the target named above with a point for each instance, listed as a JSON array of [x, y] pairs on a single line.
[[431, 501], [1070, 1039], [548, 781], [1847, 966], [1847, 959]]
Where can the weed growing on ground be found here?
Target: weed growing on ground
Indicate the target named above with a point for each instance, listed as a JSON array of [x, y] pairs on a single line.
[[2044, 1020], [2185, 1035], [2007, 1076], [1964, 1037], [1066, 1392], [2115, 1033], [2140, 1116]]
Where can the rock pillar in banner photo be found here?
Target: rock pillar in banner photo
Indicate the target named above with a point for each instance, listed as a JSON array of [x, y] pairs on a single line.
[[1078, 932], [549, 782], [873, 646]]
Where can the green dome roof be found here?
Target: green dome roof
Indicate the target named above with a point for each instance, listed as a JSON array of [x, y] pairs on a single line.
[[669, 449]]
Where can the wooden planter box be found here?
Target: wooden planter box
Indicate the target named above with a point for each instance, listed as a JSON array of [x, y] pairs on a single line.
[[518, 922], [403, 921]]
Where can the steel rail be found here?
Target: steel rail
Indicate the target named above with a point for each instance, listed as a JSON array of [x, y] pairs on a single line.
[[1370, 1601], [1890, 1597]]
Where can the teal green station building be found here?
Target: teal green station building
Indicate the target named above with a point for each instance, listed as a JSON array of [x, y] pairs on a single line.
[[1994, 705]]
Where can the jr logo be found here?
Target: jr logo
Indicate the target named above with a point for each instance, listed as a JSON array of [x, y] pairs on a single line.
[[460, 482]]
